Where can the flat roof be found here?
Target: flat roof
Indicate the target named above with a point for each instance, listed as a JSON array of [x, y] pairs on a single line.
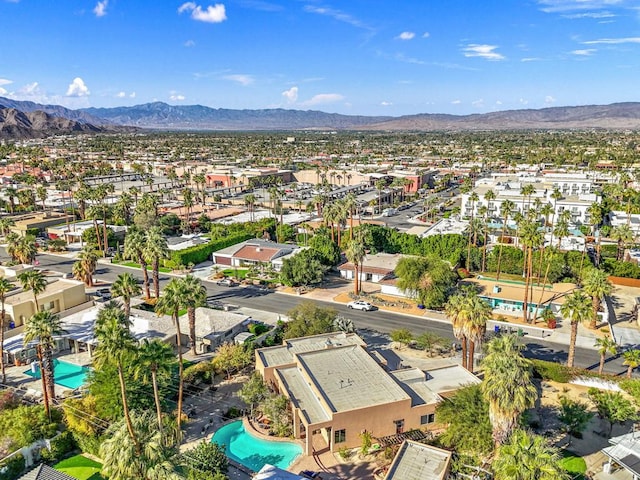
[[515, 291], [416, 461], [452, 377], [349, 378], [414, 382], [53, 287], [302, 396], [209, 320], [284, 354]]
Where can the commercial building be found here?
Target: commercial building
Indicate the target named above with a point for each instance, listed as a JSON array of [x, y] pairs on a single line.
[[337, 390]]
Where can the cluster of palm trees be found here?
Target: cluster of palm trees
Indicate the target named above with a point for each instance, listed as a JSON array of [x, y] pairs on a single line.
[[147, 248]]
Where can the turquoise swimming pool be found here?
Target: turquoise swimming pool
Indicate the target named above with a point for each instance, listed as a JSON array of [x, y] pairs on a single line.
[[253, 452], [65, 374]]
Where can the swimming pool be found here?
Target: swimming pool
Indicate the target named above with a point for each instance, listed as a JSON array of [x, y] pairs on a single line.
[[65, 374], [254, 452]]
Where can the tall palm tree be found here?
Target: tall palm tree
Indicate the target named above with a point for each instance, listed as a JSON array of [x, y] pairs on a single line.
[[170, 304], [156, 249], [527, 191], [595, 212], [527, 456], [531, 238], [194, 296], [561, 228], [149, 457], [153, 359], [455, 311], [507, 385], [478, 314], [506, 209], [126, 286], [85, 266], [605, 345], [623, 235], [596, 284], [631, 360], [350, 204], [473, 198], [5, 287], [115, 344], [33, 280], [42, 327], [134, 248], [250, 201], [356, 253], [576, 308]]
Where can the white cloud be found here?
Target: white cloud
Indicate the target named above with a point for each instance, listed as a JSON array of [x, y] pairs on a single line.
[[386, 104], [523, 101], [176, 97], [426, 35], [3, 91], [613, 41], [456, 102], [323, 98], [596, 15], [213, 14], [291, 95], [189, 43], [530, 59], [478, 103], [30, 90], [549, 100], [337, 15], [585, 52], [406, 36], [498, 102], [77, 88], [243, 80], [550, 6], [132, 95], [483, 51], [121, 95], [4, 81], [100, 9]]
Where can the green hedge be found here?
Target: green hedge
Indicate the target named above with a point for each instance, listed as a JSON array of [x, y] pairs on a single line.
[[552, 371], [202, 253], [14, 467], [60, 446], [621, 269]]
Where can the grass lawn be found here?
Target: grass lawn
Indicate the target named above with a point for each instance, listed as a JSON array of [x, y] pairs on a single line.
[[573, 464], [80, 467], [231, 272], [137, 265]]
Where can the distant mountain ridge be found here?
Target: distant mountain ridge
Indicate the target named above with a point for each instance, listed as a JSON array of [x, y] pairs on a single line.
[[159, 115], [18, 124]]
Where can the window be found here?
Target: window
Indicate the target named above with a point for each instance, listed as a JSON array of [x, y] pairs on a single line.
[[429, 418], [340, 436], [399, 426]]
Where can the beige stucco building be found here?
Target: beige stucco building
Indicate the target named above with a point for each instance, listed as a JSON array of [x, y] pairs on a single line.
[[338, 390], [59, 296]]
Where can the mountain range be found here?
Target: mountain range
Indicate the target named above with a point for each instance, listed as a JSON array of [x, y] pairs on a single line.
[[161, 116], [18, 124]]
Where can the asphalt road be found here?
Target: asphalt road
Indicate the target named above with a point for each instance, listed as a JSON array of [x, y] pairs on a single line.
[[381, 321]]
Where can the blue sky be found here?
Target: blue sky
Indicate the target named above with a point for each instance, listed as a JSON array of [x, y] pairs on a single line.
[[368, 57]]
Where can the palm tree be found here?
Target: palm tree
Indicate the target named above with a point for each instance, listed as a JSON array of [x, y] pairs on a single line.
[[5, 287], [149, 457], [631, 360], [85, 266], [126, 286], [33, 280], [250, 201], [455, 311], [42, 327], [350, 204], [596, 284], [576, 308], [21, 249], [527, 191], [605, 345], [595, 212], [507, 385], [154, 358], [380, 185], [155, 249], [479, 313], [134, 248], [527, 456], [531, 238], [506, 209], [170, 304], [356, 253], [623, 235], [561, 229], [473, 198], [194, 296], [115, 344], [5, 224]]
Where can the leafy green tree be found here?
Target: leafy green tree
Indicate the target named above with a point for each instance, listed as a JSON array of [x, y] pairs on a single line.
[[23, 425], [429, 341], [303, 269], [205, 457], [507, 385], [150, 459], [402, 336], [427, 279], [574, 415], [253, 391], [612, 406], [466, 415], [525, 456], [231, 357], [308, 318]]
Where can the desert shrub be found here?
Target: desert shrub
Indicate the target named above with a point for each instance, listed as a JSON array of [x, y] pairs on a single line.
[[552, 371], [632, 387]]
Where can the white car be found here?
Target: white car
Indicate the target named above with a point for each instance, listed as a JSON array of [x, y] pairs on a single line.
[[226, 282], [360, 305]]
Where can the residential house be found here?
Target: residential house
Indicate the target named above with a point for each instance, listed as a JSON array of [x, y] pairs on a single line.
[[374, 268], [36, 222], [416, 461], [254, 252], [337, 390], [624, 458]]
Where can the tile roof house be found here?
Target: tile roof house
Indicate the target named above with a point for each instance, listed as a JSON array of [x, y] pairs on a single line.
[[254, 252], [45, 472]]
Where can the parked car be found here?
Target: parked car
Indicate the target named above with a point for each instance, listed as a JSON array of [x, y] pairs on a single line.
[[360, 305], [104, 293], [226, 282]]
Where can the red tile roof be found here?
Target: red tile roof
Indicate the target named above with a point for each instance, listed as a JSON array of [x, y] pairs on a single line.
[[256, 253]]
